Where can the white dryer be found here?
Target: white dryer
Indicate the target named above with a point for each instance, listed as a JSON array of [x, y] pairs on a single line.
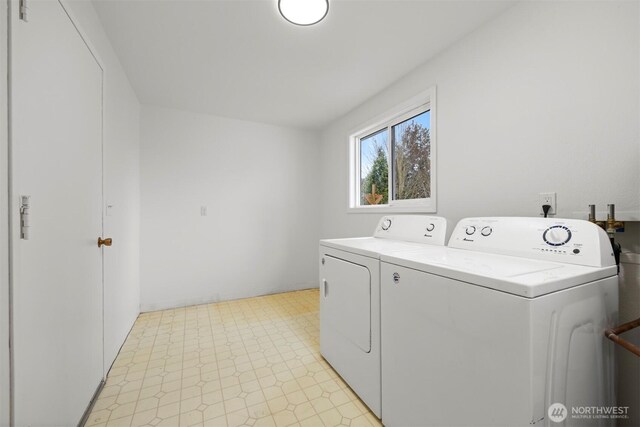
[[350, 297], [499, 326]]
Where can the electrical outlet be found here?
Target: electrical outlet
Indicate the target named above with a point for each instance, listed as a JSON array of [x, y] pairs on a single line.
[[548, 199]]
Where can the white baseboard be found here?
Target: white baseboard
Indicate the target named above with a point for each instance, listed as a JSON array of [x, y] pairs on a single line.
[[209, 299]]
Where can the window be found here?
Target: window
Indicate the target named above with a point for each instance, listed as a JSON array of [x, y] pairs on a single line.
[[393, 161]]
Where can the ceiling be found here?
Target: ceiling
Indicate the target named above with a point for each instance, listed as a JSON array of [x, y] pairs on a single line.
[[241, 59]]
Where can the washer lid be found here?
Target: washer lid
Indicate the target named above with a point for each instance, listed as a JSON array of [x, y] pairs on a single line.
[[395, 233], [371, 247], [519, 276]]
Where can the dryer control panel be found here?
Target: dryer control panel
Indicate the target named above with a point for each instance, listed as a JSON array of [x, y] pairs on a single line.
[[413, 228], [572, 241]]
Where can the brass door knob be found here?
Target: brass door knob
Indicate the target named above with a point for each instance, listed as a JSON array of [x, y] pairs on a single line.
[[106, 242]]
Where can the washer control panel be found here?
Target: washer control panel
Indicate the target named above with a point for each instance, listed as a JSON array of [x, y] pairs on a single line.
[[563, 240], [413, 228], [557, 235]]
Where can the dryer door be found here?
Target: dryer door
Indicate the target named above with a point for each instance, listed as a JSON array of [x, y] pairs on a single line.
[[350, 320], [346, 301]]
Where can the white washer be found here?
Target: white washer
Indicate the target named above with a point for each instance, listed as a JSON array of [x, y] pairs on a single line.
[[350, 297], [498, 326]]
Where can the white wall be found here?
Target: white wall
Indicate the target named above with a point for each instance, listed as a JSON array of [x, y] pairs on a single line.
[[261, 186], [543, 98], [121, 186]]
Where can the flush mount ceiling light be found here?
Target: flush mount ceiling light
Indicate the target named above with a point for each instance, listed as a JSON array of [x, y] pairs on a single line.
[[303, 12]]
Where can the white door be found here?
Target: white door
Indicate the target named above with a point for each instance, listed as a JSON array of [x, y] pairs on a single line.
[[56, 119]]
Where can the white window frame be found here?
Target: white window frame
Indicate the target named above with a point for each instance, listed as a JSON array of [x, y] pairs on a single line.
[[424, 101]]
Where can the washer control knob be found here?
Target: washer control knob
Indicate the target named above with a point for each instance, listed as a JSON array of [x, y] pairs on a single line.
[[470, 230], [386, 224], [431, 227], [486, 231], [556, 235]]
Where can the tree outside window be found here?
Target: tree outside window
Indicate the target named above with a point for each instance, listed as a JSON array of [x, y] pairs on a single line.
[[411, 162]]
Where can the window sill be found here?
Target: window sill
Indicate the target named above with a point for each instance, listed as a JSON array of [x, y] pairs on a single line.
[[392, 209]]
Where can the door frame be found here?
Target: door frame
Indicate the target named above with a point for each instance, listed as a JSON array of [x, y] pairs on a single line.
[[10, 201], [5, 354]]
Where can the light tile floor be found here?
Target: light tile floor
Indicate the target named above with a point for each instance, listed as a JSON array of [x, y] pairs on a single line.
[[253, 362]]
